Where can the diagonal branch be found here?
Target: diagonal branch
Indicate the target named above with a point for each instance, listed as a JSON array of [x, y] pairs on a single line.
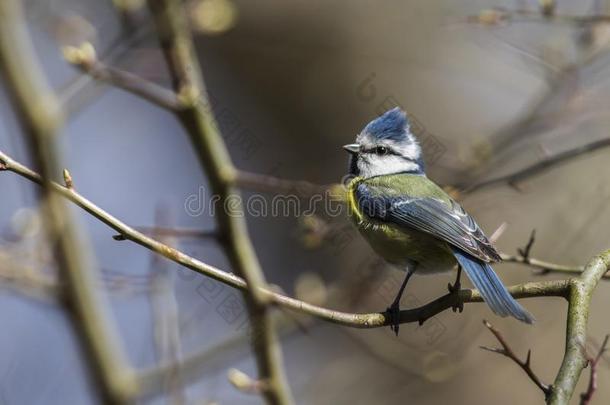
[[524, 257], [198, 121], [553, 288], [513, 179], [40, 116], [507, 351], [577, 291], [85, 58]]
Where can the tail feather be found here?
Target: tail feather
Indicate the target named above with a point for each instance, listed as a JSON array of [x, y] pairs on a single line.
[[491, 287]]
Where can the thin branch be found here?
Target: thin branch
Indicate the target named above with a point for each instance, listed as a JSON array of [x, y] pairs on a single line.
[[545, 267], [508, 352], [177, 232], [84, 58], [513, 179], [198, 120], [40, 116], [77, 92], [560, 89], [525, 251], [585, 397], [554, 288], [496, 16], [578, 291], [201, 362], [26, 280], [524, 257]]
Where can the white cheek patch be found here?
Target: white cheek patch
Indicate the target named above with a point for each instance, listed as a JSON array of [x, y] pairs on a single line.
[[410, 150], [375, 165]]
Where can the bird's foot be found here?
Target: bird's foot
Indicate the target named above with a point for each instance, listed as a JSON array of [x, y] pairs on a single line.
[[454, 289], [393, 313]]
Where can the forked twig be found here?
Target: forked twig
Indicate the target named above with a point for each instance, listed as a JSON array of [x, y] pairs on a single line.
[[508, 352]]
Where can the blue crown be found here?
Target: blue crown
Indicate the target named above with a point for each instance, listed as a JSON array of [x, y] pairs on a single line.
[[392, 125]]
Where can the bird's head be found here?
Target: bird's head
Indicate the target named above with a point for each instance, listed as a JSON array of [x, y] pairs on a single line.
[[386, 146]]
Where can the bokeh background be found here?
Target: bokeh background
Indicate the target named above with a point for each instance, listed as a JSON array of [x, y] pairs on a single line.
[[490, 92]]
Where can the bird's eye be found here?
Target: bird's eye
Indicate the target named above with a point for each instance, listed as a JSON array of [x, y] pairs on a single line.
[[381, 150]]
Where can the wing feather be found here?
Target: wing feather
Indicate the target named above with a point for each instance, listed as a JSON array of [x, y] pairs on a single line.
[[446, 221]]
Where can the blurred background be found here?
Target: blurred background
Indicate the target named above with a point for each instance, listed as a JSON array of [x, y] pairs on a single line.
[[490, 91]]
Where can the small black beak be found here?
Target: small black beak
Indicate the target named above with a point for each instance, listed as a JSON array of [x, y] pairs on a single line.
[[352, 148]]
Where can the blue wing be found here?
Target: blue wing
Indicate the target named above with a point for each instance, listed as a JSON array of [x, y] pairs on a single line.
[[448, 222], [451, 224]]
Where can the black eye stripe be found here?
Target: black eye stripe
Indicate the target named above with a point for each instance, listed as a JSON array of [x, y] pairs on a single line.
[[386, 151]]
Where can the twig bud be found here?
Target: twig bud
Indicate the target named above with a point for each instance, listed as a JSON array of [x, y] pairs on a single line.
[[68, 179], [243, 382], [83, 55]]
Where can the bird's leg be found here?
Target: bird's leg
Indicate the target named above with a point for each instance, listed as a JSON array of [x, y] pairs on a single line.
[[394, 309], [455, 289], [456, 285]]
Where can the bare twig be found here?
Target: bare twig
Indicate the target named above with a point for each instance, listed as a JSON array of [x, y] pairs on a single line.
[[199, 122], [197, 118], [546, 14], [508, 352], [585, 397], [545, 267], [537, 168], [40, 116], [578, 291], [200, 363], [525, 251], [523, 257], [77, 92], [84, 57], [177, 232], [547, 288], [561, 89]]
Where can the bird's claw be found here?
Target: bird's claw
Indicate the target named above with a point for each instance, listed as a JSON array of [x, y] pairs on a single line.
[[458, 307], [393, 313], [455, 289]]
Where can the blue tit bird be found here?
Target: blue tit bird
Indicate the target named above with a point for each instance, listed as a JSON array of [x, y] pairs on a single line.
[[411, 222]]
